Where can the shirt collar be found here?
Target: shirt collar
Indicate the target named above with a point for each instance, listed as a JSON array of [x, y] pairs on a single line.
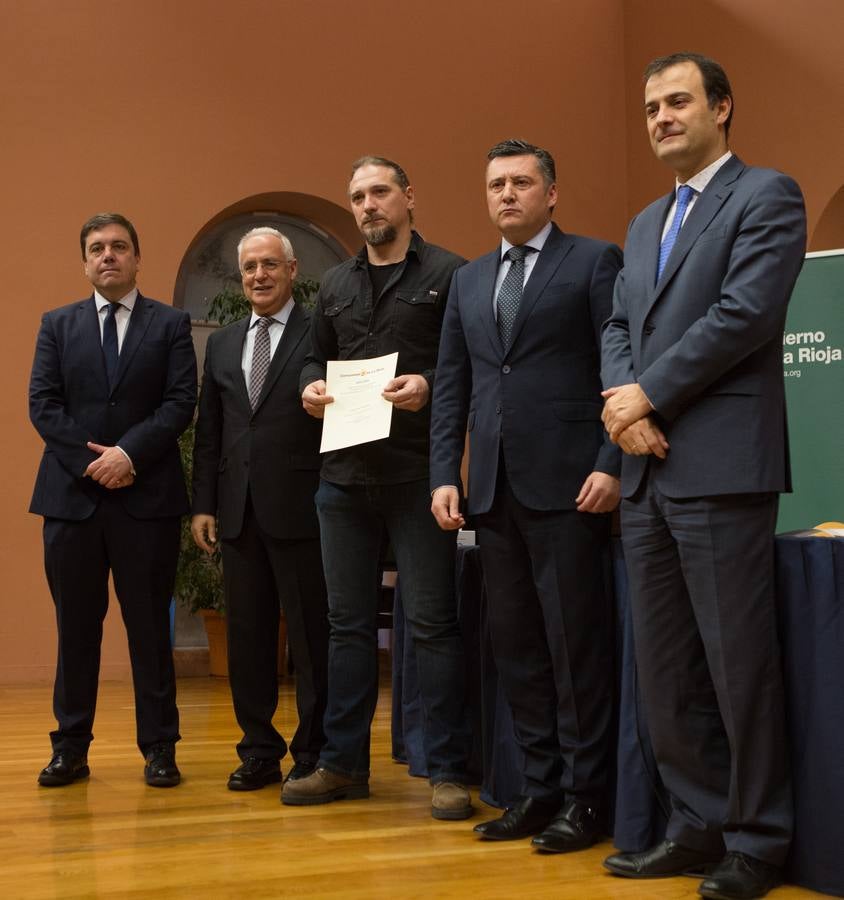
[[281, 316], [699, 181], [416, 245], [128, 301], [537, 242]]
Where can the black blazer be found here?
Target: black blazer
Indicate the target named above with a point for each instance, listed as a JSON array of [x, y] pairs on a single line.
[[150, 404], [541, 400], [272, 453]]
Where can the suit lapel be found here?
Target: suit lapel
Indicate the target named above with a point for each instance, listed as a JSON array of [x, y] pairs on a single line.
[[556, 248], [706, 207], [232, 356], [294, 331], [484, 293], [139, 321]]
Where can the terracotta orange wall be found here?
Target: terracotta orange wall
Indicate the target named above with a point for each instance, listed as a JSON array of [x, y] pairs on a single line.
[[784, 64], [174, 111]]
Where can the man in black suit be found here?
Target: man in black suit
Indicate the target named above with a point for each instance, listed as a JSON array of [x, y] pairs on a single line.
[[113, 386], [519, 367], [256, 467], [695, 397]]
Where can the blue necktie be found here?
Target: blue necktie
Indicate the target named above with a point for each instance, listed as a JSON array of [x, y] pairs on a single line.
[[110, 352], [684, 197]]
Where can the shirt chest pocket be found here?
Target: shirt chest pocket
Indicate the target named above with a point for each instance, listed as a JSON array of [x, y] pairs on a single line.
[[416, 313], [339, 315]]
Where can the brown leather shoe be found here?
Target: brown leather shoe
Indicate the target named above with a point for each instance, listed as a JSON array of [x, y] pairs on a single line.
[[451, 801], [322, 786]]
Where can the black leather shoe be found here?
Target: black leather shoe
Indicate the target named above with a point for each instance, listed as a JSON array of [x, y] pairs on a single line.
[[253, 774], [741, 877], [160, 770], [64, 768], [663, 861], [300, 769], [528, 817], [575, 827]]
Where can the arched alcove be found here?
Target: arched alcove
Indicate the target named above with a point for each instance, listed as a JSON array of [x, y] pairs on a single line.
[[322, 233], [829, 232]]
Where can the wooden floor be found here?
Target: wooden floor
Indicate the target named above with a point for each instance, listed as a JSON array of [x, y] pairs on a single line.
[[114, 837]]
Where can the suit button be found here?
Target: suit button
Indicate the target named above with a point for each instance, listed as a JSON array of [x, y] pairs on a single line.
[[648, 329], [505, 370], [112, 403]]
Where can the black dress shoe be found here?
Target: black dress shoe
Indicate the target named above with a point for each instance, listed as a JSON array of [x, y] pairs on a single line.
[[741, 877], [663, 861], [530, 816], [253, 774], [301, 769], [160, 770], [64, 768], [575, 827]]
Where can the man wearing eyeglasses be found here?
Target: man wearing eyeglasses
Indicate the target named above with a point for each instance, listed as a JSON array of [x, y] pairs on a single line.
[[256, 467]]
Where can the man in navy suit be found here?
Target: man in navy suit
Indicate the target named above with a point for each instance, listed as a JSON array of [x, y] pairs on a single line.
[[519, 367], [256, 467], [694, 386], [113, 386]]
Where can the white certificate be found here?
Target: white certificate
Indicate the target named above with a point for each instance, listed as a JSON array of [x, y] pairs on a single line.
[[359, 413]]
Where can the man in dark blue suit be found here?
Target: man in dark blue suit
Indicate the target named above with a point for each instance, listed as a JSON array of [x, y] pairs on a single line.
[[256, 468], [519, 367], [693, 371], [113, 386]]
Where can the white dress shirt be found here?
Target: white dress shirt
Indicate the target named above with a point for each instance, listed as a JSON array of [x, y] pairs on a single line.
[[121, 315], [537, 242], [697, 183]]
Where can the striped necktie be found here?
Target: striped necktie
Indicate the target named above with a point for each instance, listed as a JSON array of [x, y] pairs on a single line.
[[260, 359]]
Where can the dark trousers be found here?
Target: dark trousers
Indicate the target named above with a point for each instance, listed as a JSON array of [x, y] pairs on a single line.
[[263, 575], [141, 555], [548, 587], [353, 524], [701, 577]]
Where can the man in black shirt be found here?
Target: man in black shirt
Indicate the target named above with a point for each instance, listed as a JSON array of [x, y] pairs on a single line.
[[389, 298]]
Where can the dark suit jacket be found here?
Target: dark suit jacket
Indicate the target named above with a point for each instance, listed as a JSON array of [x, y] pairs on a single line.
[[705, 343], [151, 403], [541, 400], [272, 453]]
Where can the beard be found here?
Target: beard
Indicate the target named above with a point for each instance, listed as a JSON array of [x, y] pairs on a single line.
[[376, 235]]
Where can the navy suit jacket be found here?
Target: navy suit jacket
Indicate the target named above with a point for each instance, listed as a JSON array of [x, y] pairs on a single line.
[[705, 342], [151, 402], [541, 400], [271, 454]]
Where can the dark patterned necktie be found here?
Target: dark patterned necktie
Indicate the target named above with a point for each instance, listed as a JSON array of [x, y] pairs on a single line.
[[684, 196], [260, 359], [510, 293], [110, 351]]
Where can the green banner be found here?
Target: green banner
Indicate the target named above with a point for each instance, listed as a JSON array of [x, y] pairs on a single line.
[[813, 348]]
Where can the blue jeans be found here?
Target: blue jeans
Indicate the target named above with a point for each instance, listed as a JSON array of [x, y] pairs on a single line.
[[354, 521]]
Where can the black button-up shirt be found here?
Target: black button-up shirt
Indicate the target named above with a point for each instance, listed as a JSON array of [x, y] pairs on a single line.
[[350, 323]]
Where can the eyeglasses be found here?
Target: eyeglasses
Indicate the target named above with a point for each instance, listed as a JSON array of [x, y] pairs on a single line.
[[268, 265]]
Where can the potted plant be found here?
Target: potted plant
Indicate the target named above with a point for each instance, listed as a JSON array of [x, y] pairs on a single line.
[[199, 577]]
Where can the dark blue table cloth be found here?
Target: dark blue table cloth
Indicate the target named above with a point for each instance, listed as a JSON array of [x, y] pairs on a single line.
[[810, 587]]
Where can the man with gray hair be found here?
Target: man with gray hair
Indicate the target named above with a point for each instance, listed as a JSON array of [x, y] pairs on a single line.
[[256, 467]]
